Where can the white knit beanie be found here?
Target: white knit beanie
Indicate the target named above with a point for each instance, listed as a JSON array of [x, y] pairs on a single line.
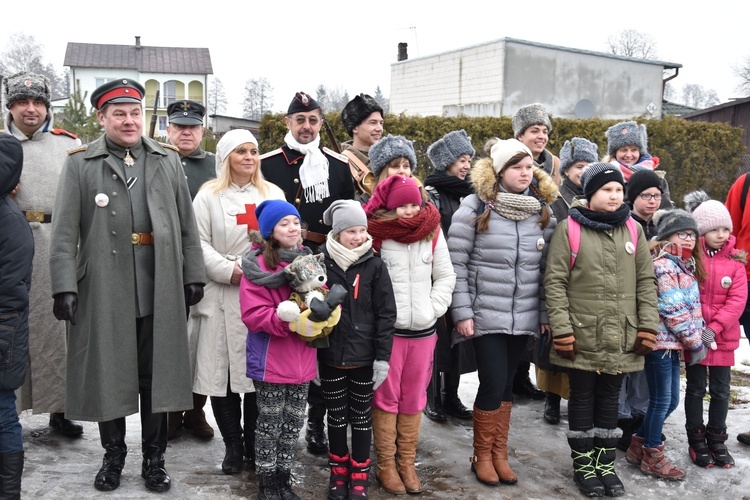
[[712, 214]]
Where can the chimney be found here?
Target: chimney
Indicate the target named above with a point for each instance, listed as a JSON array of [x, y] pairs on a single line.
[[137, 42], [402, 55]]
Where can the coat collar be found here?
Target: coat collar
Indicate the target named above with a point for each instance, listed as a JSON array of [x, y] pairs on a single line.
[[99, 148]]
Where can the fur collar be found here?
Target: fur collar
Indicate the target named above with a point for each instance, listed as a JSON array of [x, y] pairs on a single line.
[[483, 178]]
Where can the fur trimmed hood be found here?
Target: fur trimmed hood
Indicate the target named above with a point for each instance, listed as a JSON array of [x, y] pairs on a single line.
[[483, 179]]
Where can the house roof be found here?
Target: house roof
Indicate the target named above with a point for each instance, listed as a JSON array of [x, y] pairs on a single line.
[[178, 60], [674, 109], [548, 46], [731, 103]]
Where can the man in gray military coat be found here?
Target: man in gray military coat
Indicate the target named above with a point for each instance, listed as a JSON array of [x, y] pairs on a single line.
[[128, 236]]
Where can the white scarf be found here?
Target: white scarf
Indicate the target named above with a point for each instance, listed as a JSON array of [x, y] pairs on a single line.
[[345, 257], [313, 174]]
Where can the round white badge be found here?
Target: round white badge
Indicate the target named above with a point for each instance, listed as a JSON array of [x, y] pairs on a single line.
[[726, 282], [102, 200], [540, 243], [630, 248]]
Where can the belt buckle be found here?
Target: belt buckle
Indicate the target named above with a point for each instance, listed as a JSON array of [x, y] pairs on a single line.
[[34, 216], [135, 238]]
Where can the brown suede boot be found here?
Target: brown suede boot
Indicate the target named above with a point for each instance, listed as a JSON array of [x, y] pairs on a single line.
[[634, 455], [384, 436], [174, 424], [500, 446], [485, 433], [655, 463], [195, 419], [407, 436]]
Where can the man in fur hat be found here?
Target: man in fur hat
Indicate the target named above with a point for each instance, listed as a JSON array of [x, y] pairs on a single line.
[[312, 177], [363, 120], [44, 149], [532, 126]]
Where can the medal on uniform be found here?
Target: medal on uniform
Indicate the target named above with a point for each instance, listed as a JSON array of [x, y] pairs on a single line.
[[101, 199], [129, 160]]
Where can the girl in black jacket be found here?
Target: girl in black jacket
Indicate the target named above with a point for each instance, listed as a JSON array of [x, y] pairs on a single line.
[[356, 362]]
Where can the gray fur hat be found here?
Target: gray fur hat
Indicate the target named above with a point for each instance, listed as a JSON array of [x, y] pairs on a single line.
[[577, 149], [668, 222], [445, 151], [626, 134], [388, 148], [343, 214], [26, 85], [532, 114], [357, 110]]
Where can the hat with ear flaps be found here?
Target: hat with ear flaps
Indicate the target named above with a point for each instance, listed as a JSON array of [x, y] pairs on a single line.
[[531, 114], [624, 134], [575, 150], [448, 149]]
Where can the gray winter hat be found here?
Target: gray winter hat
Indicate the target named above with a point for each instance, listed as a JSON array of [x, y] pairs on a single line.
[[597, 175], [668, 222], [532, 114], [626, 134], [445, 151], [357, 110], [389, 148], [343, 214], [577, 149], [26, 85]]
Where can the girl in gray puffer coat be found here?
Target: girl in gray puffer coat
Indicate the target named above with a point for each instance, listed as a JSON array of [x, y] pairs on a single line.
[[498, 244]]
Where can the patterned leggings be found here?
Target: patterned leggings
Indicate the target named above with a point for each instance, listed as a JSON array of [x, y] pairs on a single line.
[[281, 414], [348, 397]]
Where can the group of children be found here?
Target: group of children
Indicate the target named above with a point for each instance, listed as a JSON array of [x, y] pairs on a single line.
[[610, 301]]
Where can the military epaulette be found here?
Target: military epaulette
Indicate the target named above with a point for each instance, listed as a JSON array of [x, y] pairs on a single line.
[[78, 150], [270, 153], [62, 131], [336, 155], [169, 146]]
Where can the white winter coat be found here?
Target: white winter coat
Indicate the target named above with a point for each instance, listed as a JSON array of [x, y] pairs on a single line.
[[215, 330]]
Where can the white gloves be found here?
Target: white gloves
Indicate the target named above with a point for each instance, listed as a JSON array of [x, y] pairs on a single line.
[[379, 373]]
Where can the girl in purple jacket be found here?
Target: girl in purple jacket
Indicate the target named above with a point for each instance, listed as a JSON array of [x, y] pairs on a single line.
[[723, 296], [279, 361]]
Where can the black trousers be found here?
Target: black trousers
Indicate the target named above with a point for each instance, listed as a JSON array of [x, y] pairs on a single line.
[[719, 381], [593, 400], [497, 358]]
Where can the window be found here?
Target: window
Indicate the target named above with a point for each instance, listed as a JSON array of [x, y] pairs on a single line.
[[169, 92], [162, 123], [102, 81]]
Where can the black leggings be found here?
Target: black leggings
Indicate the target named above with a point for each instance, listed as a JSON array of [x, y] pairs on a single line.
[[593, 400], [497, 358], [348, 397], [719, 381]]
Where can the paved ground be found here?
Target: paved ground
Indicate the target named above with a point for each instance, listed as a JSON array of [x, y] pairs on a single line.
[[61, 468]]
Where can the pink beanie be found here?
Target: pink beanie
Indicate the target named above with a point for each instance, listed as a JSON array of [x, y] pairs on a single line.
[[393, 192], [712, 215]]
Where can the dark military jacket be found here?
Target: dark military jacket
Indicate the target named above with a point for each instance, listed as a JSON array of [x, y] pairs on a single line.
[[199, 167]]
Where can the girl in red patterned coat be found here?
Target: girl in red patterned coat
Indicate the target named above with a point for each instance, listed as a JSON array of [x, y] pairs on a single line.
[[723, 296]]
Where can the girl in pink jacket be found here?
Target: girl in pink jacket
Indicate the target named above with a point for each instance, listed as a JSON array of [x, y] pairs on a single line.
[[723, 296]]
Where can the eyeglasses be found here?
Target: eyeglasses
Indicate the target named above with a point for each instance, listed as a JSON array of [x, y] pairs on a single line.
[[647, 197], [687, 236], [313, 120]]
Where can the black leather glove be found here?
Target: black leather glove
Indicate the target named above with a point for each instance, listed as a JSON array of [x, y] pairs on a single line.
[[66, 305], [193, 293]]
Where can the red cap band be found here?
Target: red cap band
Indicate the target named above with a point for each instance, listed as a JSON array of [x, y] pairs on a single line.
[[119, 92]]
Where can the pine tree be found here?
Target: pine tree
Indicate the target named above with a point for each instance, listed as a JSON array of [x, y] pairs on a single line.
[[76, 117]]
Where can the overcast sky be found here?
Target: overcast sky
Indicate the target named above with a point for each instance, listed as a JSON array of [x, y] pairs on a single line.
[[351, 44]]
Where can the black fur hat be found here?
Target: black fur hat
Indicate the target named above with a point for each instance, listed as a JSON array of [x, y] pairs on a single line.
[[357, 110]]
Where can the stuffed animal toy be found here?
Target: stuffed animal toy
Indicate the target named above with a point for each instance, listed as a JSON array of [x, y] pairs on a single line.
[[310, 302]]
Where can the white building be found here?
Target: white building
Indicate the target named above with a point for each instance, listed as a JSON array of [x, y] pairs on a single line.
[[497, 78]]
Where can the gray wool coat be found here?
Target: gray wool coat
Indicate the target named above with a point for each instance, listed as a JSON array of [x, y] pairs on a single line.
[[102, 364]]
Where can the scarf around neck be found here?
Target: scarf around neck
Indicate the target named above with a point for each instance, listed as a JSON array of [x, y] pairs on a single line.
[[406, 230], [313, 174], [515, 206], [600, 221], [450, 184], [345, 257], [269, 279], [577, 189]]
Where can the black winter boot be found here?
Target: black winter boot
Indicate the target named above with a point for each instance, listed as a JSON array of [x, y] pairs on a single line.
[[605, 441], [359, 479], [250, 421], [584, 464], [112, 435], [11, 469], [315, 436], [522, 384], [154, 445], [268, 488], [227, 413], [68, 428], [629, 426], [284, 484], [452, 404], [338, 481], [698, 449], [552, 408], [434, 408], [716, 440]]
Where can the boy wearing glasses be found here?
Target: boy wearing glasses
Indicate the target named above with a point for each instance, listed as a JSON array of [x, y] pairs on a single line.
[[644, 195]]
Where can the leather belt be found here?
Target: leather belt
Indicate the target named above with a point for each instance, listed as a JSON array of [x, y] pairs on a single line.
[[37, 216], [318, 238], [142, 238]]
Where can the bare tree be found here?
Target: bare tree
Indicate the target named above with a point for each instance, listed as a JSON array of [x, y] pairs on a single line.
[[24, 53], [217, 98], [696, 96], [258, 98], [331, 99], [670, 94], [743, 73], [632, 43]]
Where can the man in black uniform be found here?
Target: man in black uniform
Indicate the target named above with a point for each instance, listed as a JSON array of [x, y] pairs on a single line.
[[312, 177]]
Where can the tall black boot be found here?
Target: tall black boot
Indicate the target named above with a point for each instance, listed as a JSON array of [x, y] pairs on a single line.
[[434, 409], [112, 435], [698, 449], [605, 443], [584, 463], [11, 469], [452, 404], [629, 426], [153, 444], [250, 418], [315, 435], [227, 413], [522, 384], [716, 440]]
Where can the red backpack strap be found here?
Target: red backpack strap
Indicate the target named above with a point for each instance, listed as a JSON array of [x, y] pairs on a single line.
[[633, 229], [574, 239], [434, 240]]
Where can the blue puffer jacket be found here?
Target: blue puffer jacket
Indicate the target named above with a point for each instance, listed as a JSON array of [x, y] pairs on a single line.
[[16, 254]]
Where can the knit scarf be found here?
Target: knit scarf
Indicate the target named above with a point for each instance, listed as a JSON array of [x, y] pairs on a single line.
[[269, 279], [406, 230], [345, 257], [600, 221], [515, 206], [576, 188], [645, 162], [450, 184], [313, 174]]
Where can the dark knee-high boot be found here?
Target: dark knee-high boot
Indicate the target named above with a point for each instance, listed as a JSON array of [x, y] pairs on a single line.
[[154, 444], [227, 413], [250, 420], [452, 404], [11, 470], [434, 409], [112, 435], [195, 419]]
